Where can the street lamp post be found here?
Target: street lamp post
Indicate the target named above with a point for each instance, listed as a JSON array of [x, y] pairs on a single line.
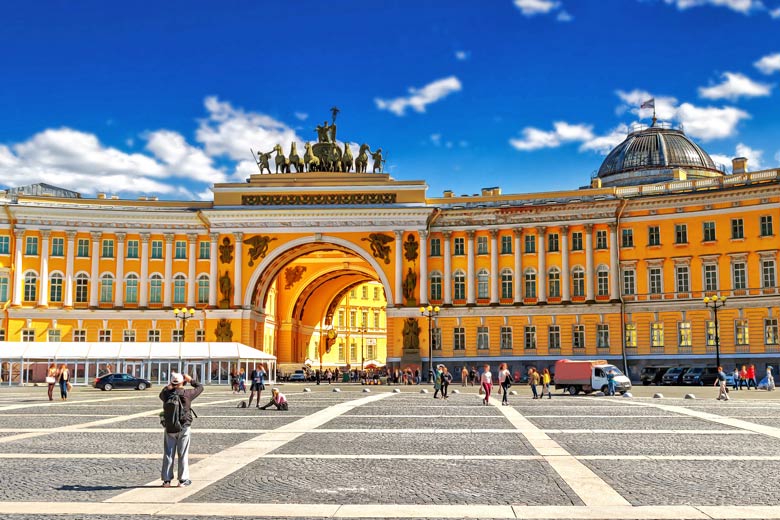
[[716, 303], [362, 348], [429, 312], [183, 314]]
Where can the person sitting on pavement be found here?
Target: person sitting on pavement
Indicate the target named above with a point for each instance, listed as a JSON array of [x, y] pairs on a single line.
[[278, 400]]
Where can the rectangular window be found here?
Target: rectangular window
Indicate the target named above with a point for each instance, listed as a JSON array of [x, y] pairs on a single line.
[[578, 336], [682, 278], [602, 282], [657, 334], [436, 342], [629, 281], [3, 289], [157, 249], [483, 340], [741, 332], [353, 352], [459, 338], [554, 337], [530, 244], [630, 335], [57, 246], [28, 335], [506, 245], [180, 250], [710, 333], [200, 335], [680, 234], [108, 249], [377, 325], [709, 232], [55, 336], [204, 250], [364, 319], [506, 338], [602, 335], [737, 228], [436, 287], [352, 318], [82, 248], [104, 336], [530, 285], [128, 336], [766, 226], [459, 246], [768, 279], [341, 352], [460, 286], [710, 277], [341, 318], [653, 236], [55, 289], [684, 334], [5, 245], [32, 246], [601, 239], [628, 238], [656, 280], [553, 243], [132, 249], [530, 337], [507, 285], [576, 241], [436, 247], [79, 336], [153, 336], [771, 331], [364, 292], [482, 245], [376, 293], [177, 335], [739, 272]]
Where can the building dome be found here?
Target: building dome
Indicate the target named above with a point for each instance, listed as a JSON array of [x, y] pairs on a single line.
[[655, 154]]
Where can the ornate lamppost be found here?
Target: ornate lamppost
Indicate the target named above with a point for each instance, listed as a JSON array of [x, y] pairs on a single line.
[[363, 331], [430, 312], [183, 314], [716, 303]]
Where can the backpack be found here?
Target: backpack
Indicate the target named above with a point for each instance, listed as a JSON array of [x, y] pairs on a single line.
[[173, 413]]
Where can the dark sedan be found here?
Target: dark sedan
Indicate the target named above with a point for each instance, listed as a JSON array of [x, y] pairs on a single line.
[[111, 381]]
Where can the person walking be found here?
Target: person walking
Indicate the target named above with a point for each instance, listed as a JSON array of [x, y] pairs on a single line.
[[278, 400], [464, 376], [723, 393], [446, 379], [257, 377], [505, 380], [751, 377], [611, 383], [735, 378], [436, 375], [177, 418], [546, 379], [51, 380], [743, 377], [533, 380], [770, 380], [63, 379], [473, 376], [328, 376], [487, 384], [242, 381]]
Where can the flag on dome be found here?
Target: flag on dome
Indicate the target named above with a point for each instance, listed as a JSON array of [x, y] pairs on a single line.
[[650, 103]]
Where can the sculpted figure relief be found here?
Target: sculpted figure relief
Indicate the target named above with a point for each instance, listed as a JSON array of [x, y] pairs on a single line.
[[259, 247], [226, 288], [379, 163], [292, 275], [226, 251], [379, 247], [262, 161], [411, 334], [410, 283], [223, 332], [410, 248]]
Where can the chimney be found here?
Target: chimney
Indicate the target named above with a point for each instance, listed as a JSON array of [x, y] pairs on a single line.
[[739, 165], [448, 194]]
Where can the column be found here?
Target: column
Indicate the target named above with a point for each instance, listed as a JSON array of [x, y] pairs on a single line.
[[70, 248], [423, 267], [192, 240], [614, 264], [168, 276], [95, 271], [237, 284], [470, 275], [446, 237], [120, 270], [518, 286], [143, 293], [494, 267], [18, 274], [542, 276], [398, 296], [589, 263], [213, 272], [565, 271], [43, 295]]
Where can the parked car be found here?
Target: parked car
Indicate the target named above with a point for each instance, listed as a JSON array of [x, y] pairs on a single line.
[[111, 381], [700, 376], [299, 376], [652, 375], [674, 376]]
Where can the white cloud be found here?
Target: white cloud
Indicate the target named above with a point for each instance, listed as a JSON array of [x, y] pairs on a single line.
[[462, 55], [534, 7], [734, 86], [535, 139], [775, 13], [740, 6], [769, 63], [754, 157], [420, 98], [721, 160], [604, 144], [665, 106], [301, 116], [564, 16], [436, 139], [183, 159]]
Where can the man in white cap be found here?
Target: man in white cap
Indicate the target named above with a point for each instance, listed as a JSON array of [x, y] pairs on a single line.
[[177, 418]]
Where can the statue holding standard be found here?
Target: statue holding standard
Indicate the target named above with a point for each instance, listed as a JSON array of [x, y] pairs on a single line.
[[410, 283]]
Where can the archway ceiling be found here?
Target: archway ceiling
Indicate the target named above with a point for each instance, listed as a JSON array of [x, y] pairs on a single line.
[[322, 295]]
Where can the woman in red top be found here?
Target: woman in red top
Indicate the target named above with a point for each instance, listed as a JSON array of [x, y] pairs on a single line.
[[743, 377], [751, 376]]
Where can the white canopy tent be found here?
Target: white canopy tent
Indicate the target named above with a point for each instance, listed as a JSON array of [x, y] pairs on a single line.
[[212, 363]]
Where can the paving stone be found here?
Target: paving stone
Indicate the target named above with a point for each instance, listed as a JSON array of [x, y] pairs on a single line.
[[435, 408], [351, 422], [547, 407], [665, 444], [632, 423], [44, 421]]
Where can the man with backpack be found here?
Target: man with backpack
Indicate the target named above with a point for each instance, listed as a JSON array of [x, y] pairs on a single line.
[[177, 418]]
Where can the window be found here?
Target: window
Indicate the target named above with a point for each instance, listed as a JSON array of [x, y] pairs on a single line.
[[436, 286], [630, 335], [530, 337], [460, 246], [364, 292], [739, 272], [709, 231], [28, 335], [2, 334], [31, 247], [179, 289], [341, 318], [576, 241], [460, 285], [657, 334], [364, 319], [530, 283], [3, 289], [710, 277], [578, 281], [108, 249], [766, 226], [353, 352], [177, 335], [204, 250], [530, 244], [710, 333], [554, 337], [352, 318], [131, 289], [341, 352], [106, 288], [128, 336], [180, 250], [483, 284], [601, 239], [554, 282], [30, 287], [506, 245], [507, 284], [376, 320], [57, 246], [483, 340], [200, 336], [553, 243], [5, 245], [55, 288], [153, 336], [578, 336], [602, 281], [155, 289], [82, 288], [436, 247], [653, 236], [376, 293], [132, 249], [768, 274], [436, 342], [656, 281], [79, 336], [459, 339], [684, 334], [741, 332], [352, 293], [737, 228], [771, 331], [682, 278], [680, 234], [55, 336], [82, 248], [203, 289], [628, 238], [602, 335], [482, 245], [157, 249], [104, 336], [506, 338]]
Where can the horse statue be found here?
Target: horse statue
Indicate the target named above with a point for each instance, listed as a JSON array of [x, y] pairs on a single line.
[[295, 159], [311, 161], [361, 163], [280, 160], [346, 160]]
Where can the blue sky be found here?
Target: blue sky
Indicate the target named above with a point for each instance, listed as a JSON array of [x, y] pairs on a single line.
[[166, 98]]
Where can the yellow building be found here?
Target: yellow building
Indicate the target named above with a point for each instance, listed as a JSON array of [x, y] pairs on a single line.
[[618, 268]]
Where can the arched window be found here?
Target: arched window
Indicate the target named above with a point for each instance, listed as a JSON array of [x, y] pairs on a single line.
[[602, 278], [203, 289], [155, 289], [131, 289], [507, 284], [578, 281], [460, 285], [530, 283], [179, 289], [436, 286], [106, 288], [30, 286], [82, 288], [554, 282], [55, 288], [483, 284]]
